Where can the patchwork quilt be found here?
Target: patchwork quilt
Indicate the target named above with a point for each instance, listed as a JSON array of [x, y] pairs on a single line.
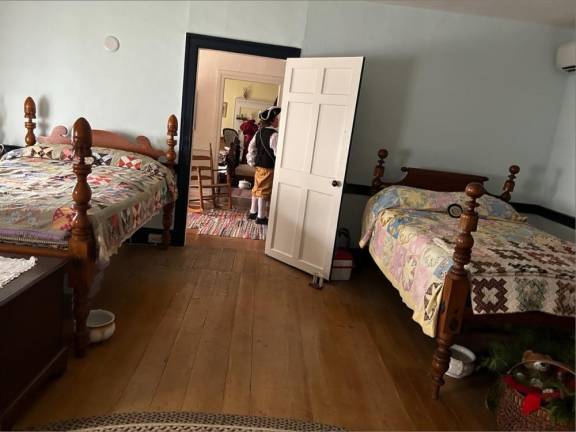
[[36, 185], [515, 267]]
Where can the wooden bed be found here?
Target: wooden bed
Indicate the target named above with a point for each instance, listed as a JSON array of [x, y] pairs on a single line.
[[81, 248], [454, 306]]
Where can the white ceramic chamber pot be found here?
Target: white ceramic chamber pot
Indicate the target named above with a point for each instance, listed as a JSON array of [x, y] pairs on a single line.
[[243, 184], [101, 325], [461, 362]]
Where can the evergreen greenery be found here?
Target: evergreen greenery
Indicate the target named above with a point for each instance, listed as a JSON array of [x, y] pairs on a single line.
[[558, 345]]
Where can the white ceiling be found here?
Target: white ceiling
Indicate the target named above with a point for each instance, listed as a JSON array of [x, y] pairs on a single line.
[[550, 12]]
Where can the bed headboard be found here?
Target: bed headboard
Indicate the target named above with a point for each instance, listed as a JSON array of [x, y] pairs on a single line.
[[106, 139], [441, 181], [100, 138]]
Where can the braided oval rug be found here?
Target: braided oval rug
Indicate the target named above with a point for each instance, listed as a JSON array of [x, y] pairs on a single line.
[[184, 421]]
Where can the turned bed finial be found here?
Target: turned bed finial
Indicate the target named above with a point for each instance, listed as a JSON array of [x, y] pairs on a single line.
[[168, 211], [30, 115], [508, 187], [172, 131], [82, 142], [468, 225], [455, 292], [377, 181]]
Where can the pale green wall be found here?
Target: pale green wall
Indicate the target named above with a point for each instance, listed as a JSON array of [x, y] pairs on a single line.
[[54, 52], [449, 91], [558, 184]]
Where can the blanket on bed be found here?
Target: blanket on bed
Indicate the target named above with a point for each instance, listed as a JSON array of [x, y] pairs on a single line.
[[515, 267], [36, 185]]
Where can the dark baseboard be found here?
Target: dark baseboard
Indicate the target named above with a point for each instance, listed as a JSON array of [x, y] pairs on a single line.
[[545, 212], [356, 189]]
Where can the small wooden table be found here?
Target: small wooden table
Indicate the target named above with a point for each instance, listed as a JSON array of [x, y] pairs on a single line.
[[32, 343]]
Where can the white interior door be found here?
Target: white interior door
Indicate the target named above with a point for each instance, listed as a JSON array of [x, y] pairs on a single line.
[[318, 107]]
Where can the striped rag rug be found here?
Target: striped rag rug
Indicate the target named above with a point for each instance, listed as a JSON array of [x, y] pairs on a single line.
[[225, 223]]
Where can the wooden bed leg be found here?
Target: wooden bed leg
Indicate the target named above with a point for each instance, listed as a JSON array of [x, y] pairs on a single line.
[[456, 289], [167, 213], [81, 243], [81, 280], [30, 115], [440, 363], [168, 210]]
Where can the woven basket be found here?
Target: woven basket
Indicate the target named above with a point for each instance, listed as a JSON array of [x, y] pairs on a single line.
[[509, 416]]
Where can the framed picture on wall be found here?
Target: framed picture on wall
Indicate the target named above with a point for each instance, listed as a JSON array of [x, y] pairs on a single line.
[[224, 109]]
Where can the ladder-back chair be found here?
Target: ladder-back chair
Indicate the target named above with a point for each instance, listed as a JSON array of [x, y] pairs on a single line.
[[202, 175]]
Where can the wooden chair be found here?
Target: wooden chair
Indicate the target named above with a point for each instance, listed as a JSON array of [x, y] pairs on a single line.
[[202, 177], [229, 136]]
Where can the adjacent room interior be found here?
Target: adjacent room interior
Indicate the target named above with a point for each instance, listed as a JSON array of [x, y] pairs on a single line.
[[287, 215], [232, 89]]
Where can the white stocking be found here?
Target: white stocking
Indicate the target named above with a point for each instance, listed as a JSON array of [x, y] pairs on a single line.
[[254, 205], [261, 208]]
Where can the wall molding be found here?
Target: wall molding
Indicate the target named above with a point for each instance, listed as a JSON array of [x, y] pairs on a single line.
[[535, 209]]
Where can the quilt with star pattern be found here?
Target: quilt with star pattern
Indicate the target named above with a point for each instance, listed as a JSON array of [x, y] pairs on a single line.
[[36, 185], [515, 267]]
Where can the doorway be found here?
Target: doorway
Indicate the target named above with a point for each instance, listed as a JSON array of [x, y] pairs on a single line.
[[231, 90], [196, 45]]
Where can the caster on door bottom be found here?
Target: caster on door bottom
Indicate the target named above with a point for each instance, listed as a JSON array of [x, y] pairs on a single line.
[[317, 282]]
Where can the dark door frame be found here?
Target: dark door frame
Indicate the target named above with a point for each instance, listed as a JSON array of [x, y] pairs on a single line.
[[195, 42]]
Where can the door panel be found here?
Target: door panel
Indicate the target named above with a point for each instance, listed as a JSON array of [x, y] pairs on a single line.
[[314, 237], [318, 108], [297, 129], [337, 81], [330, 137], [285, 215], [303, 80]]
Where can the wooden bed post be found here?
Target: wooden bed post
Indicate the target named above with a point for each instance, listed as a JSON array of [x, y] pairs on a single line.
[[30, 115], [456, 289], [377, 181], [168, 210], [81, 244], [509, 184]]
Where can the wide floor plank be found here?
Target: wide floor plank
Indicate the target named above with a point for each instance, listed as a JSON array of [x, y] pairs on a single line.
[[219, 327]]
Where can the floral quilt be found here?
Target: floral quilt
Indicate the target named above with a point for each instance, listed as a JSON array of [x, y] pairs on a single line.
[[515, 267], [36, 185]]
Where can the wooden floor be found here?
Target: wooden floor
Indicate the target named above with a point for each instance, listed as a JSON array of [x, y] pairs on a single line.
[[219, 327]]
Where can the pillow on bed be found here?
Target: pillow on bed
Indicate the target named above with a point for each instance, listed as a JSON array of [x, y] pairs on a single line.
[[49, 151], [405, 197], [100, 156]]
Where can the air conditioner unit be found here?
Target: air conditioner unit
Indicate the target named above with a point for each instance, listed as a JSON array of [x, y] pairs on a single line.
[[566, 57]]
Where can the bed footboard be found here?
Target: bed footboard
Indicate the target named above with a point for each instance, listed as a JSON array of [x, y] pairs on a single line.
[[456, 289]]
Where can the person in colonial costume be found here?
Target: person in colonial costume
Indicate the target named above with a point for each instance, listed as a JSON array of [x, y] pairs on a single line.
[[262, 155]]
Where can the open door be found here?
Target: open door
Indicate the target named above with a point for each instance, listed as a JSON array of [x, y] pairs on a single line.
[[318, 107]]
